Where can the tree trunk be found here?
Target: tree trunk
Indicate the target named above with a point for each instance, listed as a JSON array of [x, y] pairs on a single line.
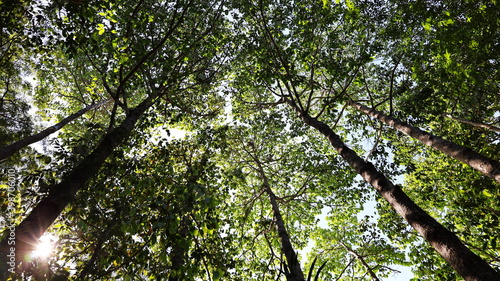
[[10, 149], [295, 271], [485, 165], [50, 207], [470, 266], [477, 124]]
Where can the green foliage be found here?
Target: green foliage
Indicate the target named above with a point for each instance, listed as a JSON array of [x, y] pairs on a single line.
[[194, 207], [465, 201]]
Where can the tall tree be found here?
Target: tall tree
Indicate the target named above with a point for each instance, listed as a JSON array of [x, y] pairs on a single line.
[[49, 208], [292, 268], [232, 76], [284, 81], [187, 71], [445, 242]]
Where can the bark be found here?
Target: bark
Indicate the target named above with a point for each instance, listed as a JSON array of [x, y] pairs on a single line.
[[10, 149], [49, 208], [477, 124], [485, 165], [295, 271], [470, 266]]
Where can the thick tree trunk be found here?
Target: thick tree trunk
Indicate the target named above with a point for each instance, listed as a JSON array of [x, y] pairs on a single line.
[[477, 124], [10, 149], [485, 165], [470, 266], [49, 208], [294, 270]]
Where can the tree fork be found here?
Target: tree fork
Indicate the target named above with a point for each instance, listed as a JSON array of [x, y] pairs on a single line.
[[362, 261], [481, 163], [469, 265], [49, 208]]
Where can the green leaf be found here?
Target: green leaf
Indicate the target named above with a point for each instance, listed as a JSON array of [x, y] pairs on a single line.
[[487, 193]]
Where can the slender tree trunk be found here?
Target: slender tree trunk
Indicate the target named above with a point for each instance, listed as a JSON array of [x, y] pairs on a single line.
[[477, 124], [49, 208], [485, 165], [10, 149], [470, 266], [295, 271]]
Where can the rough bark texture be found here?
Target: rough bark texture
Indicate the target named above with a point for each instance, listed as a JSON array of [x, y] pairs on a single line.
[[10, 149], [49, 208], [485, 165], [470, 266], [477, 124]]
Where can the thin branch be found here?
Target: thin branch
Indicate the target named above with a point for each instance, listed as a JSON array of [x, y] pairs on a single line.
[[391, 110], [477, 124], [362, 260]]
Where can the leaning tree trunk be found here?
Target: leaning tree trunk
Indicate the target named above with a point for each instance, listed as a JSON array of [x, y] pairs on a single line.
[[10, 149], [470, 266], [294, 270], [49, 208], [485, 165]]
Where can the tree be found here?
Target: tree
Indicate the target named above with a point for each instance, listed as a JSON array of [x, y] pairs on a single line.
[[443, 241], [49, 208], [159, 84], [285, 83], [292, 268], [259, 168], [242, 193]]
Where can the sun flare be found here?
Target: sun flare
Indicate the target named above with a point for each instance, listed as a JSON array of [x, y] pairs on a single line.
[[45, 247]]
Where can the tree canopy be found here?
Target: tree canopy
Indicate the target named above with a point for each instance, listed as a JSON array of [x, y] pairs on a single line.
[[244, 140]]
